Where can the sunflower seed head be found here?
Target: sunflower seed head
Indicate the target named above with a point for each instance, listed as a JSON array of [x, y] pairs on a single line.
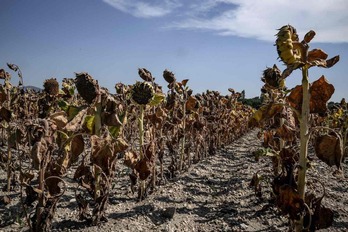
[[145, 74], [51, 87], [142, 93], [87, 87], [169, 76]]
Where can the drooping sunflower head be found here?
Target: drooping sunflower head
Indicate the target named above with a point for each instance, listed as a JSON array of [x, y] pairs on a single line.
[[145, 74], [51, 87], [169, 76], [142, 93], [87, 87], [273, 77], [288, 52]]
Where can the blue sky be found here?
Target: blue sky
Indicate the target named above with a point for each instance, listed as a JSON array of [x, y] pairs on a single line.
[[217, 44]]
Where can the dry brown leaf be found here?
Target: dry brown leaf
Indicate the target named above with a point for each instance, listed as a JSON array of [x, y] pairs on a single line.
[[104, 151], [290, 202], [77, 146], [320, 91], [316, 54], [145, 166], [111, 119], [184, 82], [328, 149], [286, 133], [295, 97], [191, 103], [60, 119], [76, 123]]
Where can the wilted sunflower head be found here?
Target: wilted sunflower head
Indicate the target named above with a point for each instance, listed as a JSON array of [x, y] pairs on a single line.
[[169, 76], [142, 93], [273, 77], [145, 74], [120, 88], [286, 38], [51, 87], [87, 87]]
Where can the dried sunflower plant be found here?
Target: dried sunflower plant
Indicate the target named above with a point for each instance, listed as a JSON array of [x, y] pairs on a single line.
[[286, 117], [296, 55]]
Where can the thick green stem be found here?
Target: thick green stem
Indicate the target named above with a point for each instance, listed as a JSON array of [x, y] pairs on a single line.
[[304, 137]]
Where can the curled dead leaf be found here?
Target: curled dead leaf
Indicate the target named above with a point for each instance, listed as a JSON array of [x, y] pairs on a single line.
[[328, 148], [111, 119], [76, 122], [290, 202], [191, 103], [286, 133], [105, 150], [316, 54], [145, 166], [77, 146], [60, 119], [265, 112], [320, 92]]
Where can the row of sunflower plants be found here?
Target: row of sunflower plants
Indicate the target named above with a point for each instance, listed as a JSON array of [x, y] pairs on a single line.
[[82, 128]]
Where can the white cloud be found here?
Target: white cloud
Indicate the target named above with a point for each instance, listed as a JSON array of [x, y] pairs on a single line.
[[142, 9], [259, 19], [248, 18]]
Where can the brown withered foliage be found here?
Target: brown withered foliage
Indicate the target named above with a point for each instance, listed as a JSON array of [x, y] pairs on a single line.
[[290, 202], [144, 166], [329, 149], [321, 91], [85, 128]]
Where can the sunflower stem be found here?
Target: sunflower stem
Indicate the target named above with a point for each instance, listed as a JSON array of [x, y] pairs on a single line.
[[182, 152], [304, 138], [97, 116], [141, 144]]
